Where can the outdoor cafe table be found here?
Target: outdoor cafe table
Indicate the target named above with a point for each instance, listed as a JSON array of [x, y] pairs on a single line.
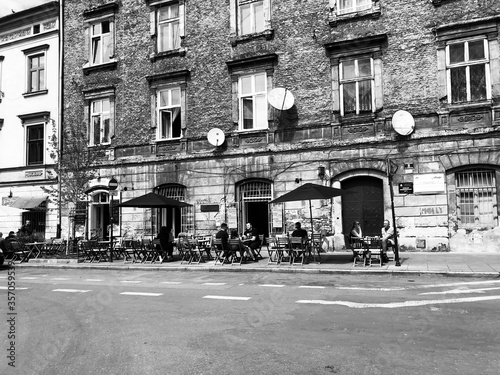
[[33, 250]]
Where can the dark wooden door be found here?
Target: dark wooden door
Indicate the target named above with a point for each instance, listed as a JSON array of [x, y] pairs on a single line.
[[366, 204]]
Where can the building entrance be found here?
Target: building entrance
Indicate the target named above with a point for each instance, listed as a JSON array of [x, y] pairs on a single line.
[[254, 197], [365, 205]]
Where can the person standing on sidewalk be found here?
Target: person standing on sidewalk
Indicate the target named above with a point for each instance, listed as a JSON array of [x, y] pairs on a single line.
[[387, 239]]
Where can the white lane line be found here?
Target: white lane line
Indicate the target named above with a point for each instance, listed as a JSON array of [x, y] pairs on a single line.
[[228, 297], [214, 284], [272, 285], [131, 281], [172, 282], [94, 280], [460, 283], [3, 277], [311, 287], [28, 278], [373, 289], [393, 305], [60, 278], [71, 290], [17, 288], [141, 294], [461, 291]]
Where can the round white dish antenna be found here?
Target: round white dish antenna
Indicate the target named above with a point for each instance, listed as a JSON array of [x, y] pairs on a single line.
[[216, 137], [281, 98], [403, 122]]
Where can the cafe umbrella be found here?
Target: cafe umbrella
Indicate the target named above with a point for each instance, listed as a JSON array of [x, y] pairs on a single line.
[[153, 200], [310, 192]]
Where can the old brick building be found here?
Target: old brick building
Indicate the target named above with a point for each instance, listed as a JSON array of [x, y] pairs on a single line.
[[151, 78]]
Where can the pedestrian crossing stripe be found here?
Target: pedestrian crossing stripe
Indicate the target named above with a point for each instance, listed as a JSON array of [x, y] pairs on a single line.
[[228, 298], [141, 294]]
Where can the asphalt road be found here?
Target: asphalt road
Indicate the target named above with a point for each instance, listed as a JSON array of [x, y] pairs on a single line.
[[122, 322]]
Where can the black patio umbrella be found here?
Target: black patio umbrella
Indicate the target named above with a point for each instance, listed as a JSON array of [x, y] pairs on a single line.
[[153, 200], [309, 192]]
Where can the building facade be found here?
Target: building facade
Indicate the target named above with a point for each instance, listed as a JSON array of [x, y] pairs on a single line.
[[29, 115], [193, 100]]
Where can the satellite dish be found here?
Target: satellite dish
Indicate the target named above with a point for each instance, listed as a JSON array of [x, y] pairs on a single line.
[[280, 98], [216, 137], [403, 122]]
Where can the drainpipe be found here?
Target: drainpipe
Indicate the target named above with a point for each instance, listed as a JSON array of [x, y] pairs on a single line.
[[60, 114]]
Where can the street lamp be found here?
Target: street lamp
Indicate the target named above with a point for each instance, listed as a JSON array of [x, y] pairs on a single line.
[[112, 185], [390, 172]]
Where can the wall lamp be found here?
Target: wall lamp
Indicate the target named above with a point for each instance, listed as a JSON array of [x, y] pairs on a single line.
[[321, 172], [10, 194]]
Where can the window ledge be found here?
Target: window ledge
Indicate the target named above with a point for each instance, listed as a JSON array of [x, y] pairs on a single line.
[[357, 119], [373, 12], [237, 39], [106, 66], [166, 54], [456, 107], [35, 93]]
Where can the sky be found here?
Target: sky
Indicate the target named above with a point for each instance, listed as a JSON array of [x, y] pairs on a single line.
[[7, 6]]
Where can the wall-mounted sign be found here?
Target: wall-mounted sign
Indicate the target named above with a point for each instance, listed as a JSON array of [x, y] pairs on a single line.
[[39, 173], [405, 187], [209, 208], [429, 183]]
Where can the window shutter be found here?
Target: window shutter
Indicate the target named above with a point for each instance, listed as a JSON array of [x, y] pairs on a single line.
[[111, 45], [152, 22]]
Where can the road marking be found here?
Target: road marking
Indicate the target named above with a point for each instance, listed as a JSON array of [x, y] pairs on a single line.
[[311, 287], [131, 281], [214, 284], [373, 289], [94, 280], [461, 291], [228, 297], [460, 283], [393, 305], [3, 277], [141, 294], [17, 288], [71, 290], [28, 278], [172, 282], [272, 285], [60, 278]]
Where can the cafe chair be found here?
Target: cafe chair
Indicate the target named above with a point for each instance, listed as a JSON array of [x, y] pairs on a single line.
[[263, 243], [283, 248], [297, 251], [375, 246], [220, 251], [235, 247], [359, 251], [272, 248]]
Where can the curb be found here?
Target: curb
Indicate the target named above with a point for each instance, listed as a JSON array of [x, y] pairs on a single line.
[[74, 264]]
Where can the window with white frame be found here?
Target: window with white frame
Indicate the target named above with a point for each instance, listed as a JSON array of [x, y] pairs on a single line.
[[476, 198], [35, 144], [356, 86], [351, 6], [251, 16], [100, 122], [101, 48], [468, 70], [36, 72], [252, 96], [169, 124], [169, 37]]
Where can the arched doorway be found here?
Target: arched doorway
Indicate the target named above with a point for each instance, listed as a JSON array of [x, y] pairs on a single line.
[[253, 198], [99, 215], [366, 204]]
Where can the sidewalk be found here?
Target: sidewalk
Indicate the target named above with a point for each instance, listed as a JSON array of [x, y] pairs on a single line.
[[414, 264]]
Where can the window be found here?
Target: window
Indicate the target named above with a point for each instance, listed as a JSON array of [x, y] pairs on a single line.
[[466, 63], [99, 114], [100, 28], [100, 42], [100, 118], [35, 144], [168, 28], [476, 198], [467, 68], [169, 113], [357, 76], [36, 72], [251, 17], [252, 94], [349, 6], [356, 86]]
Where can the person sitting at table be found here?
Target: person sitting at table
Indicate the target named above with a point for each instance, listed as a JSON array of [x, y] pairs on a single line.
[[243, 248], [251, 239], [299, 232], [2, 243], [166, 238], [387, 239], [356, 231], [224, 237]]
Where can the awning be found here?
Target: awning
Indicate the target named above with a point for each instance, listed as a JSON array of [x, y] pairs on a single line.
[[30, 203]]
